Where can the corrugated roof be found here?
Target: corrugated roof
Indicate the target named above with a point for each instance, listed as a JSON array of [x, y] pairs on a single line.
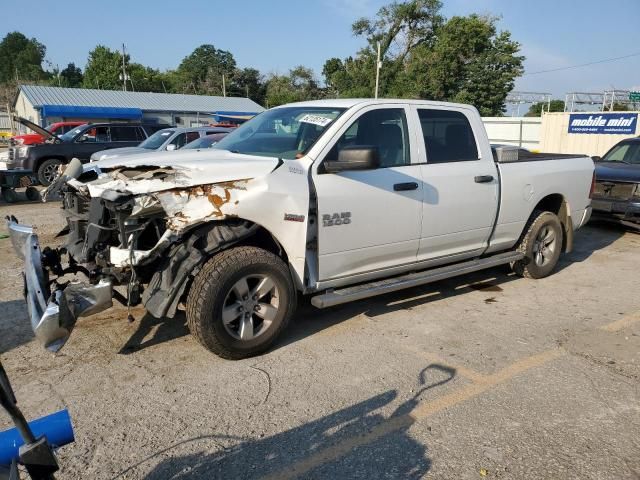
[[158, 102]]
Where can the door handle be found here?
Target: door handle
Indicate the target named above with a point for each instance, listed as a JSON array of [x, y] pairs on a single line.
[[483, 178], [403, 187]]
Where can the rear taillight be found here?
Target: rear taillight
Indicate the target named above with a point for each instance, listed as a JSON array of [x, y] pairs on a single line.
[[593, 185]]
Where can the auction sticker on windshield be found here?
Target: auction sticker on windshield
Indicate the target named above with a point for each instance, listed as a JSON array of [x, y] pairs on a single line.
[[316, 120]]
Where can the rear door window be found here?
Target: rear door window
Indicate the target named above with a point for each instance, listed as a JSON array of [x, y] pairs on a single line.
[[124, 134], [191, 136], [448, 136], [95, 135]]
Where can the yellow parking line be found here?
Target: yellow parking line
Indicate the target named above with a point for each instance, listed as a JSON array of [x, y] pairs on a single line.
[[420, 412], [486, 383], [465, 372], [624, 322]]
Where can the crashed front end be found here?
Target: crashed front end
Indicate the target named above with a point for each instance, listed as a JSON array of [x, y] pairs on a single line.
[[129, 227], [53, 314]]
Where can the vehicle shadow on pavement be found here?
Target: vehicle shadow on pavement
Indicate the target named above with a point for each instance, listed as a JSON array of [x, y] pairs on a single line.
[[588, 240], [164, 330], [15, 329], [309, 320], [357, 441]]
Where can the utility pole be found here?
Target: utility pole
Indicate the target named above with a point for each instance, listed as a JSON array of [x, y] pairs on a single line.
[[124, 72], [224, 88], [378, 67]]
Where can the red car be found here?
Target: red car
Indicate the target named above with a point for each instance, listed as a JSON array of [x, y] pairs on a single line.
[[57, 128]]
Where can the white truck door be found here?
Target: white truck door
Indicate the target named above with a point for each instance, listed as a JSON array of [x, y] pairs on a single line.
[[370, 219], [461, 183]]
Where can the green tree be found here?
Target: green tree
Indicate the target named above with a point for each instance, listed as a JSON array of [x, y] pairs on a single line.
[[299, 85], [71, 76], [248, 82], [21, 58], [103, 69], [400, 28], [621, 107], [423, 55], [202, 70], [535, 110]]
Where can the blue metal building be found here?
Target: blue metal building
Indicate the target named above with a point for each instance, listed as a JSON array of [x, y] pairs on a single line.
[[44, 105]]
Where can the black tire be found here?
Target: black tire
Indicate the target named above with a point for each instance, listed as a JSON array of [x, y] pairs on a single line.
[[47, 171], [533, 244], [214, 289], [9, 195], [32, 193]]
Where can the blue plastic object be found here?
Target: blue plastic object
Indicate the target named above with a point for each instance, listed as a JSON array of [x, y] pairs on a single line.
[[56, 427]]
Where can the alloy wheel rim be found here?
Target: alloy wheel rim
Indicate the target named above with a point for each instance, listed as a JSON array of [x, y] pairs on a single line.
[[250, 307], [545, 246], [51, 172]]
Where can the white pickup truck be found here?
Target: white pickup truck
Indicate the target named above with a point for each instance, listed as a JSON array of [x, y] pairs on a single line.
[[336, 199]]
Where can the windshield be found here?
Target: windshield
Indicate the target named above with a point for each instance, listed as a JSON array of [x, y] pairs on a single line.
[[286, 132], [156, 140], [624, 153], [71, 134], [204, 142]]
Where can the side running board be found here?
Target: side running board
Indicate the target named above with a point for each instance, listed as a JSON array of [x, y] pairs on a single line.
[[380, 287]]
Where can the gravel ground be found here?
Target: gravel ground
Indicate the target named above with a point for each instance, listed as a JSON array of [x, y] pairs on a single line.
[[484, 376]]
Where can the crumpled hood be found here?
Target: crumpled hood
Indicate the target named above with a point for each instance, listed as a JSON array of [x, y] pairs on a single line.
[[160, 171]]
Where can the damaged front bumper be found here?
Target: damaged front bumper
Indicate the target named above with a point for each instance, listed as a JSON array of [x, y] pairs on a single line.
[[53, 314]]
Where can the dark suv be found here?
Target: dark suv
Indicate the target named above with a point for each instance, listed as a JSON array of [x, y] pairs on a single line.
[[45, 159]]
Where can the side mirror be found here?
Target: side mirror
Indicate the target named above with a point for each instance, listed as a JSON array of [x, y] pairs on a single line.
[[171, 147], [356, 157], [596, 158]]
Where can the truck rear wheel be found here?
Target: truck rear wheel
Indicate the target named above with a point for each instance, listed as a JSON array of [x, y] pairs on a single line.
[[541, 244], [48, 171], [240, 302]]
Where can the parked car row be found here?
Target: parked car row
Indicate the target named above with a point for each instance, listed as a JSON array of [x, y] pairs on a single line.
[[45, 151], [166, 139]]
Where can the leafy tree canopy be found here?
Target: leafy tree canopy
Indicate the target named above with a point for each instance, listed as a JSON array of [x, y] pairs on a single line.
[[535, 110], [21, 58], [202, 70], [423, 55], [299, 85]]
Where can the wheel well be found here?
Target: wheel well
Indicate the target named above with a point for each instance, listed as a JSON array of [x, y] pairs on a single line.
[[262, 238], [551, 203], [557, 204]]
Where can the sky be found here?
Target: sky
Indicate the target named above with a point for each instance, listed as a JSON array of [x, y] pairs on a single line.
[[276, 35]]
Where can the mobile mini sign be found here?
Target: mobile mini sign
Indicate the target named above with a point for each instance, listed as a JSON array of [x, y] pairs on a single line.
[[607, 123]]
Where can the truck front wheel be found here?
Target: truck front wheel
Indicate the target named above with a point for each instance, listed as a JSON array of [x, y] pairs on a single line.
[[48, 171], [240, 302], [541, 245]]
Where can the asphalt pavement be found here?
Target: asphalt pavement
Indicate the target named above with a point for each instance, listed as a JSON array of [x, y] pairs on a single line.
[[483, 376]]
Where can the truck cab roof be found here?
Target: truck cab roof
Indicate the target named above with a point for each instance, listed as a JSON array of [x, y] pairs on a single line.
[[352, 102]]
